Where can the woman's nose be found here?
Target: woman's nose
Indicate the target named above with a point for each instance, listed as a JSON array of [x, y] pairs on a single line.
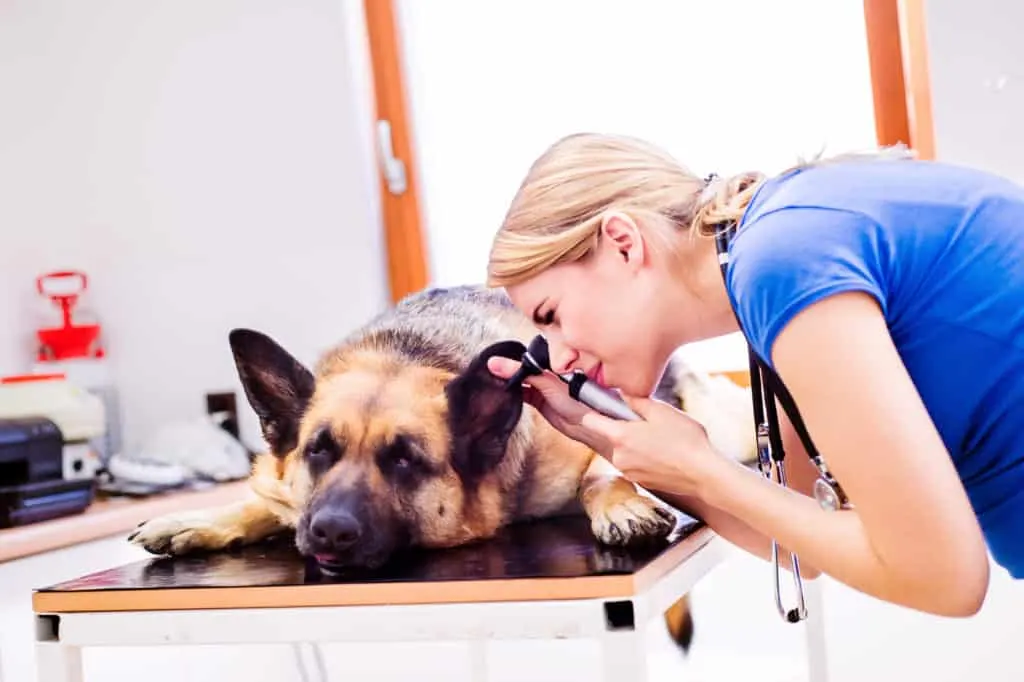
[[562, 358]]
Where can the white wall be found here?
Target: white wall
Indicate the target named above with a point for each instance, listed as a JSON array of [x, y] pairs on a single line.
[[206, 163], [977, 80]]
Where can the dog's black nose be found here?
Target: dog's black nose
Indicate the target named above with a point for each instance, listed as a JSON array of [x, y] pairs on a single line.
[[334, 530]]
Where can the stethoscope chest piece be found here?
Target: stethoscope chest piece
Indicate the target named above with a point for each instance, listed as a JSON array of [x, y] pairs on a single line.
[[827, 495]]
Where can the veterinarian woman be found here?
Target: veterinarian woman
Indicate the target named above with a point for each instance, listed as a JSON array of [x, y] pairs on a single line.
[[888, 295]]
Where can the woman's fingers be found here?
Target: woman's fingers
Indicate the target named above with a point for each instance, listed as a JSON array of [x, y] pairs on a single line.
[[533, 397], [544, 383], [601, 425], [502, 367]]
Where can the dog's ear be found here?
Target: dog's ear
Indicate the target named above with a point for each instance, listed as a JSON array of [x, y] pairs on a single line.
[[277, 386], [482, 412]]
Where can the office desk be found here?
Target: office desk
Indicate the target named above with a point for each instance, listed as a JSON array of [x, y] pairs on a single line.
[[544, 580]]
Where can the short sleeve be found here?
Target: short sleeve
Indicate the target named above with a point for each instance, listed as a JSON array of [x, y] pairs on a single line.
[[789, 258]]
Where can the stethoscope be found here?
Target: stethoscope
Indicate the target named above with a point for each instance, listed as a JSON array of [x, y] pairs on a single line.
[[766, 387]]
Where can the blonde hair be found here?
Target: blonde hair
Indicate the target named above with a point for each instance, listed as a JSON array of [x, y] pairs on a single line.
[[555, 216]]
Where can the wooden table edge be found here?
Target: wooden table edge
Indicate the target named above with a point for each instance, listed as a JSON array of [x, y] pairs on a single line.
[[371, 594]]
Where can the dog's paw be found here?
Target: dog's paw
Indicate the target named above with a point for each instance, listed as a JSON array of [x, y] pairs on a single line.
[[627, 520], [178, 534]]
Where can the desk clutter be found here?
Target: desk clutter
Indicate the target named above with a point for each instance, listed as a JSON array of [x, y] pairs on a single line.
[[60, 423]]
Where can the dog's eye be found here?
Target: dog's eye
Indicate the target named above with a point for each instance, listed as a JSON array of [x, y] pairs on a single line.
[[401, 460], [323, 450], [399, 454]]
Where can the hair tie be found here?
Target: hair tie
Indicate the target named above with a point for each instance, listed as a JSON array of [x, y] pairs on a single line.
[[710, 186]]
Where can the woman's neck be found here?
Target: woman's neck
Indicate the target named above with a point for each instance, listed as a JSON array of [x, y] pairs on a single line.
[[712, 313]]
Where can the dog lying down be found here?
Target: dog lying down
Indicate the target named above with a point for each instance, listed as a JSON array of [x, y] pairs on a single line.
[[401, 438]]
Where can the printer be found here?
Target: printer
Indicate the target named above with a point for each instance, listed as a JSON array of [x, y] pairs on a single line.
[[32, 483], [48, 459]]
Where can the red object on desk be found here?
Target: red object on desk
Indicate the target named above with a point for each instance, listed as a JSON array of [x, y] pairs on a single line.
[[69, 340], [27, 378]]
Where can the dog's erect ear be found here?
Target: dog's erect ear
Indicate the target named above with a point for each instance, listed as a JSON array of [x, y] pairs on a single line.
[[482, 412], [277, 385]]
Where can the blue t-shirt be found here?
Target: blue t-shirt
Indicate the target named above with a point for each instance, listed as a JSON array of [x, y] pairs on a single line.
[[941, 248]]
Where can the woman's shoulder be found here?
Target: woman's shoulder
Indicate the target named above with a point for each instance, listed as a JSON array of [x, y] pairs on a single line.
[[881, 189], [790, 258], [878, 216], [894, 229]]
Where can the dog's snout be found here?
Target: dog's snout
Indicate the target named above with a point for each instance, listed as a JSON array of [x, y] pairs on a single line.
[[334, 530]]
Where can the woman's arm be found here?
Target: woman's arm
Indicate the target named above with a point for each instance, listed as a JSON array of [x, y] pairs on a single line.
[[801, 475], [736, 531], [913, 538]]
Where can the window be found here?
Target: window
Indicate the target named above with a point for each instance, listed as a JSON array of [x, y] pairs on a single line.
[[726, 86]]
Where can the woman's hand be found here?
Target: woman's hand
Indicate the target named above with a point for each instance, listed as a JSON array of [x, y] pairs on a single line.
[[550, 396], [668, 451]]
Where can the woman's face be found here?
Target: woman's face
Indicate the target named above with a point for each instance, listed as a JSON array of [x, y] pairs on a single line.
[[610, 316]]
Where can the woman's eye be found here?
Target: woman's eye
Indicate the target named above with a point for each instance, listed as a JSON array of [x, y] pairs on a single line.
[[549, 317]]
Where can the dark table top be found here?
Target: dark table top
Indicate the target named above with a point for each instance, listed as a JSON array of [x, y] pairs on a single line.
[[553, 558]]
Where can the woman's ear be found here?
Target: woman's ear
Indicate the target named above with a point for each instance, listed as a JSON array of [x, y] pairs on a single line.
[[620, 234]]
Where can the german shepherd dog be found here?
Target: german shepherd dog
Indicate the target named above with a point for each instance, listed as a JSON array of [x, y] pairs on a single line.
[[400, 437]]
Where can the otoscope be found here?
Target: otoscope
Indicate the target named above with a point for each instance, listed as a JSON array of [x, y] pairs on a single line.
[[536, 359]]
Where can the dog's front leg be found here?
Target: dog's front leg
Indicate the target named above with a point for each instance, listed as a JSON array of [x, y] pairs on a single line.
[[619, 514], [236, 524]]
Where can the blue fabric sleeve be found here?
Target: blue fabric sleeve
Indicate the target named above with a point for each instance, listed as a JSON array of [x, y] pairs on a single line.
[[787, 259]]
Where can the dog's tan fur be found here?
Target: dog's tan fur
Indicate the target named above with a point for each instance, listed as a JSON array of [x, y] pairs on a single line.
[[365, 396]]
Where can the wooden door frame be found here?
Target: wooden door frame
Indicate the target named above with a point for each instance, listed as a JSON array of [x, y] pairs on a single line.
[[404, 237], [898, 60], [901, 88]]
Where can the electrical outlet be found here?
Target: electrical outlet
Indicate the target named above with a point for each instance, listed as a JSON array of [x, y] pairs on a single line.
[[224, 402]]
